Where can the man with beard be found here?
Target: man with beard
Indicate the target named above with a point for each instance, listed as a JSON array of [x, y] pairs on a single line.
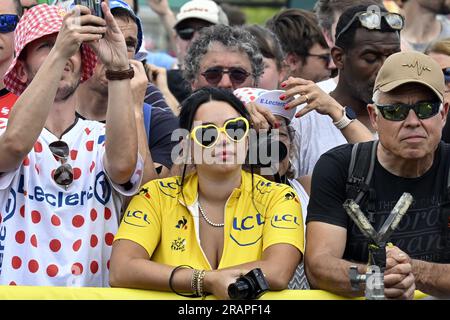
[[424, 21], [63, 179], [93, 98], [359, 53]]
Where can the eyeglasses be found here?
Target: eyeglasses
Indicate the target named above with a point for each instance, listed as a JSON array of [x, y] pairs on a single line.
[[399, 112], [326, 57], [446, 72], [63, 175], [207, 135], [372, 20], [214, 75], [8, 22], [187, 33]]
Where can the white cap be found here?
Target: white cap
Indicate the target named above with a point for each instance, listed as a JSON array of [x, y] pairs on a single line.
[[204, 10], [267, 98]]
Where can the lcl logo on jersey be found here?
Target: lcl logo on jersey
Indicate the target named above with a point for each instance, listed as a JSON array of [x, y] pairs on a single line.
[[248, 230], [285, 221], [170, 189], [136, 218]]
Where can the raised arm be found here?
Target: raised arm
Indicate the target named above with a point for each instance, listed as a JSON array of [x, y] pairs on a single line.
[[316, 99], [162, 9], [35, 103], [121, 136], [138, 86]]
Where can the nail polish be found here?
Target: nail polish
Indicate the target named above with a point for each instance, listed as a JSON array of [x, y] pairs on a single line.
[[283, 85], [282, 97]]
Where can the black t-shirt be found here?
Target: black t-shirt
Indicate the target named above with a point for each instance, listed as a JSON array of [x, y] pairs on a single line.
[[419, 233]]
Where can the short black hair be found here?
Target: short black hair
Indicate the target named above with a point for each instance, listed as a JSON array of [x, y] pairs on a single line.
[[203, 95], [346, 40], [326, 10]]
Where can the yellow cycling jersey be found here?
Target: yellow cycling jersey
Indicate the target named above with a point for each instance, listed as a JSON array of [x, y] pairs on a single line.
[[164, 221]]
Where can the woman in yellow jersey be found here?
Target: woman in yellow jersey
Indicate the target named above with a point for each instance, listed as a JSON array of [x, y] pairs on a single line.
[[220, 218]]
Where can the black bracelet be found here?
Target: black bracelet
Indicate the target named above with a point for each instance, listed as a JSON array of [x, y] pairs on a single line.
[[171, 278]]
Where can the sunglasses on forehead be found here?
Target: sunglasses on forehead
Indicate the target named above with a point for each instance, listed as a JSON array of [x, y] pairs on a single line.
[[63, 175], [399, 112], [8, 22], [214, 75], [372, 20], [207, 135]]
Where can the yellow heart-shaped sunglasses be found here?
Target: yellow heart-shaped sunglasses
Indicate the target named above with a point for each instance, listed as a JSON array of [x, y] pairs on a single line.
[[207, 135]]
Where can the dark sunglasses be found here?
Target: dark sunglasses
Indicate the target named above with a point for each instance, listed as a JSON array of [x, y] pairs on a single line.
[[446, 72], [8, 22], [187, 33], [399, 112], [207, 135], [214, 75], [63, 175], [372, 20]]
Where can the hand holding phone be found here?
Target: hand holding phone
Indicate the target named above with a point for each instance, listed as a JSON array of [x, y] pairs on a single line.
[[93, 5]]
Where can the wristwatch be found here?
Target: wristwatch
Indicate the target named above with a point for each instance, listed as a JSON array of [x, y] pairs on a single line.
[[348, 116]]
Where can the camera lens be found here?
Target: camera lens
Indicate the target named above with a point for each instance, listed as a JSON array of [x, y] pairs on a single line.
[[238, 290]]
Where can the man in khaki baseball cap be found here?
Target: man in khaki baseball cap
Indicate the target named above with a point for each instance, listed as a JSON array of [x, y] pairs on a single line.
[[408, 114]]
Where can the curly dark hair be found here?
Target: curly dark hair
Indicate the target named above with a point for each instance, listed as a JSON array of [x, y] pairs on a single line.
[[234, 38]]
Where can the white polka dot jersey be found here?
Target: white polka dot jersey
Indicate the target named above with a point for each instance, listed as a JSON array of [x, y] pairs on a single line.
[[51, 235]]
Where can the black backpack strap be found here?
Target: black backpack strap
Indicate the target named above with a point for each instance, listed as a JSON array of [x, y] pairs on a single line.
[[360, 170], [445, 207]]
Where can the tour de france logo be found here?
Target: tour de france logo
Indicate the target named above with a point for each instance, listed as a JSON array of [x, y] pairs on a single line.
[[178, 245]]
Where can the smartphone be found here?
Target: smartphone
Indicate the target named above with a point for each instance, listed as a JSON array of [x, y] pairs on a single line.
[[94, 5]]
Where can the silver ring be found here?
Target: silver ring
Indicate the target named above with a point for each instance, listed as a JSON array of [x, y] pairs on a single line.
[[307, 98]]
